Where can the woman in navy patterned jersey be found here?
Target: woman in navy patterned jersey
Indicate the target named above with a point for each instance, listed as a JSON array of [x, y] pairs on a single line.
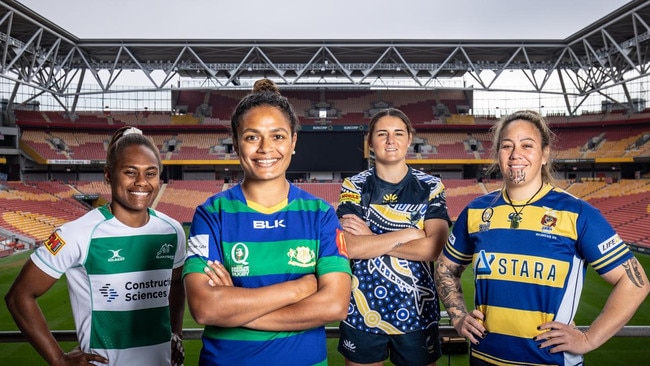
[[395, 223]]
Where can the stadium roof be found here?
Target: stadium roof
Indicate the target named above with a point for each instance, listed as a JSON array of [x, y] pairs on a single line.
[[609, 52]]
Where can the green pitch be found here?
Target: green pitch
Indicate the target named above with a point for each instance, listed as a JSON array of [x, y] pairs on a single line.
[[56, 307]]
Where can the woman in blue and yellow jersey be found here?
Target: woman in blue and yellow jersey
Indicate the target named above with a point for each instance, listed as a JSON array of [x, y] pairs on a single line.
[[529, 244], [275, 255]]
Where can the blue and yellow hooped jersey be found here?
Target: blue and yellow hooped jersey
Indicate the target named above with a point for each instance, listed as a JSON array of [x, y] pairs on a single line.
[[534, 273]]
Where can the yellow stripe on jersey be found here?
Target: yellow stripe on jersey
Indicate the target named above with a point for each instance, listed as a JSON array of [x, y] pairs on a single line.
[[456, 254], [500, 362], [394, 216], [561, 223], [513, 322], [522, 269], [613, 256]]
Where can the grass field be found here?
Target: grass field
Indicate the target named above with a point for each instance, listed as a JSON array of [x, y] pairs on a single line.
[[56, 307]]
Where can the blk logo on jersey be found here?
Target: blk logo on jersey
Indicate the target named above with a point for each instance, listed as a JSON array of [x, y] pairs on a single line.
[[268, 225]]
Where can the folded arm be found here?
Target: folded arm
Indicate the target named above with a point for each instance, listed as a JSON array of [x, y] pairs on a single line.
[[215, 301], [410, 243], [328, 304]]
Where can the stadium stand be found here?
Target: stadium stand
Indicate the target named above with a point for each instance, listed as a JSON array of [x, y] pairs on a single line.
[[179, 198], [36, 209], [443, 131]]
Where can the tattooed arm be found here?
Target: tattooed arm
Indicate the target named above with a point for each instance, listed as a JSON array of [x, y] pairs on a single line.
[[630, 289], [447, 279]]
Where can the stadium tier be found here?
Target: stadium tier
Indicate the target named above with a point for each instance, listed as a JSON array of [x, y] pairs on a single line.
[[572, 144], [35, 209]]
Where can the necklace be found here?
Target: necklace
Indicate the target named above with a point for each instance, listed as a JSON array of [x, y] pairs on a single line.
[[516, 217]]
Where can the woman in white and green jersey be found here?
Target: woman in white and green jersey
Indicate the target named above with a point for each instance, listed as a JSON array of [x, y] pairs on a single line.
[[123, 263]]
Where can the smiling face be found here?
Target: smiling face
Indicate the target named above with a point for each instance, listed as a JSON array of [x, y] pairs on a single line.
[[265, 144], [521, 155], [135, 182], [390, 140]]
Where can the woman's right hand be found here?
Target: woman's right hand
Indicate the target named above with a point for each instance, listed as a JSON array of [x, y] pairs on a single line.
[[470, 326], [78, 357]]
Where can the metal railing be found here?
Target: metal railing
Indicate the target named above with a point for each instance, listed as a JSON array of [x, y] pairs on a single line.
[[331, 332]]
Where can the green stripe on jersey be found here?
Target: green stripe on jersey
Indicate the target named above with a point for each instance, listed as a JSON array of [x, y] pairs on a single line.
[[245, 334], [263, 259], [112, 255], [127, 329]]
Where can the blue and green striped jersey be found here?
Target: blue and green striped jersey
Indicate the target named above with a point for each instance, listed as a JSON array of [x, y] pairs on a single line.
[[260, 248]]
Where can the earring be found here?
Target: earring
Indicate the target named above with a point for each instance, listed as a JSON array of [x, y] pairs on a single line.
[[293, 152]]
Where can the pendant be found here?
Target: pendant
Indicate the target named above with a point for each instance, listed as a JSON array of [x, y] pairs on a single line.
[[514, 221]]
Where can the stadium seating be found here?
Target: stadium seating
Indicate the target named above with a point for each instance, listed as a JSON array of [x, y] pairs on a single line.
[[36, 209]]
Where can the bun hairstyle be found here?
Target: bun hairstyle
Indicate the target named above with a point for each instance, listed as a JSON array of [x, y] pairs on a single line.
[[124, 137], [265, 85], [265, 93]]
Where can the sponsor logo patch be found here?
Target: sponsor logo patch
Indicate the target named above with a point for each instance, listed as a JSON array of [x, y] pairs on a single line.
[[54, 243], [350, 197], [609, 244], [341, 244], [116, 256]]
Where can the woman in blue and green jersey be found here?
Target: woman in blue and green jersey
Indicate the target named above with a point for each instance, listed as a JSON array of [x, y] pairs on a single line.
[[123, 263], [529, 244], [276, 258]]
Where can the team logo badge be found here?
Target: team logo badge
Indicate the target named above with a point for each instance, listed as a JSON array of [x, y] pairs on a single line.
[[54, 243], [390, 198], [165, 252], [302, 257], [486, 217], [549, 220], [239, 255]]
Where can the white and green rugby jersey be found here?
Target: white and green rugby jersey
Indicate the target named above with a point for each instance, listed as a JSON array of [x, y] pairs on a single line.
[[119, 280]]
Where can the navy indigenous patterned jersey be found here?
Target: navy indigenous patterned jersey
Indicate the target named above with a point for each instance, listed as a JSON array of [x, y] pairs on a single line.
[[392, 295]]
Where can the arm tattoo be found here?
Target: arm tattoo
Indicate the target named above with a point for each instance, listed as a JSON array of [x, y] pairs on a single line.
[[633, 273], [448, 286]]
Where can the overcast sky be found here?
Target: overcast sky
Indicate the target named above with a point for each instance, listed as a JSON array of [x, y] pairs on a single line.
[[327, 19]]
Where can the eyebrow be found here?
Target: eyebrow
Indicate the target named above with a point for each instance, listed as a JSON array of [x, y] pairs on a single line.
[[275, 130], [386, 130]]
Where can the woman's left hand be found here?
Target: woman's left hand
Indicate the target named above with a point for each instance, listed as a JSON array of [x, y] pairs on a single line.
[[563, 338], [178, 350], [217, 274]]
